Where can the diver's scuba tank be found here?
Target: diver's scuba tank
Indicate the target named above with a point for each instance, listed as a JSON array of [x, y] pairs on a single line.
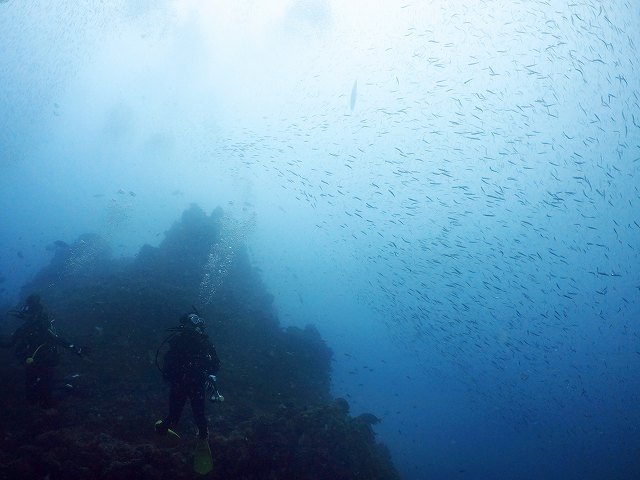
[[212, 390]]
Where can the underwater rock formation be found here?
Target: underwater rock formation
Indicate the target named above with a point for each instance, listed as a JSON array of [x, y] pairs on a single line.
[[278, 421]]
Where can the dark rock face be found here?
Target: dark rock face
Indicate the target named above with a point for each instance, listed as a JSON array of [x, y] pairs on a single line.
[[278, 420]]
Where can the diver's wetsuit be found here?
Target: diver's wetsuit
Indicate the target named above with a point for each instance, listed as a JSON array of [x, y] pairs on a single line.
[[188, 363], [36, 347]]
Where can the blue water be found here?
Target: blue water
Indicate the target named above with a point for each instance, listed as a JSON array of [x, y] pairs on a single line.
[[448, 190]]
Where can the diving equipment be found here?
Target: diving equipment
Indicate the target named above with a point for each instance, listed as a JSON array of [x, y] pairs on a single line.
[[202, 460], [159, 426], [212, 389]]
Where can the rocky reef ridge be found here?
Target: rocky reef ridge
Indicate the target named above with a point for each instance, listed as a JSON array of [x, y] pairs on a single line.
[[278, 421]]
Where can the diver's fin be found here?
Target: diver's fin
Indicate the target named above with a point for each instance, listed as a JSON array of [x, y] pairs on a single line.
[[202, 461], [168, 432]]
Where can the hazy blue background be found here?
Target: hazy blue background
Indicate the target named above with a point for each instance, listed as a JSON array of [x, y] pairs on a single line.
[[448, 190]]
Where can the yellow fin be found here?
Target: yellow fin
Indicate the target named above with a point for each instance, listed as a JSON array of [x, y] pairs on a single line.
[[202, 461]]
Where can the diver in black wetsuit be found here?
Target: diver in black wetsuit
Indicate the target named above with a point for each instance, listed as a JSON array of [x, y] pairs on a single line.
[[189, 365], [36, 347]]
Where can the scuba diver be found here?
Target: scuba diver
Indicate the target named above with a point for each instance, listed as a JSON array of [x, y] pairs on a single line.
[[189, 366], [36, 346]]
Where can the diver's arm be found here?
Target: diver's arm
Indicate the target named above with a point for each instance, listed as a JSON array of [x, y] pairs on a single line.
[[65, 343], [214, 363], [17, 313]]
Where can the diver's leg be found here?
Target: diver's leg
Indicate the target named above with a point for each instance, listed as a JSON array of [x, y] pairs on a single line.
[[31, 381], [177, 399], [45, 387], [197, 394]]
